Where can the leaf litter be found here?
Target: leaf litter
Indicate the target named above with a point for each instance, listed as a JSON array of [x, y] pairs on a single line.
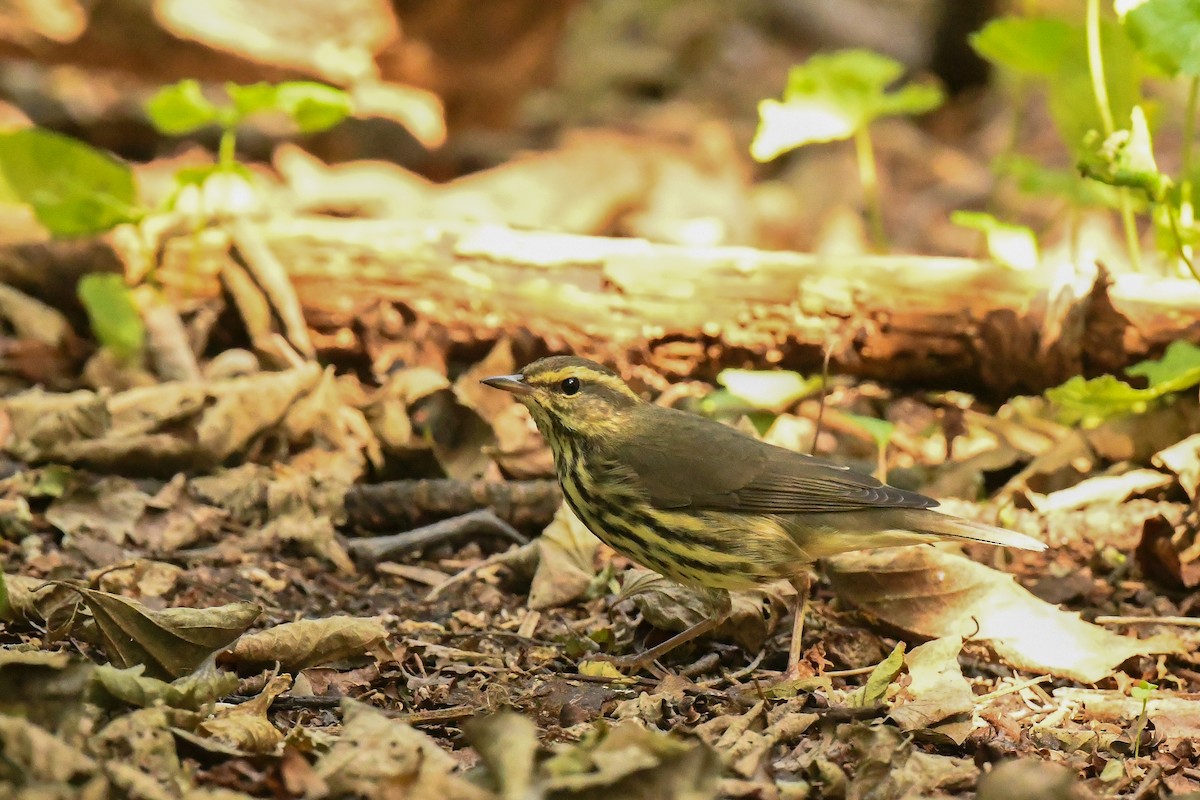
[[214, 632]]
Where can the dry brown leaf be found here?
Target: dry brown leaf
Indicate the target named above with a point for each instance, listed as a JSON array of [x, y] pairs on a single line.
[[154, 429], [37, 601], [335, 41], [938, 697], [246, 726], [928, 592], [46, 688], [309, 642], [418, 110], [1100, 489], [1168, 552], [377, 751], [109, 508], [507, 744], [742, 740], [1175, 716], [887, 764], [630, 761], [1029, 779], [1183, 458], [131, 686], [33, 755], [171, 642], [566, 561]]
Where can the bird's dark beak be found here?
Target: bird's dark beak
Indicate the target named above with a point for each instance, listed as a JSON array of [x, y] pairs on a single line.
[[509, 383]]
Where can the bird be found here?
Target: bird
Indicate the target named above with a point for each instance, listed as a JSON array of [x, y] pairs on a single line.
[[708, 506]]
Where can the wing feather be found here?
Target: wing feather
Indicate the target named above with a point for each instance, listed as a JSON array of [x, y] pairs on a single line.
[[696, 463]]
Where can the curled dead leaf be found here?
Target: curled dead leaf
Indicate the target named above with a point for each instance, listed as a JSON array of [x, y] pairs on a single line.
[[309, 642], [566, 561], [931, 593], [171, 642]]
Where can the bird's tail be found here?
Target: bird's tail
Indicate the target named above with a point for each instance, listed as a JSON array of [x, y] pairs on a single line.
[[944, 525]]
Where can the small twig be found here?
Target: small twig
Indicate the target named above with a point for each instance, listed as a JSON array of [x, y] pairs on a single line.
[[382, 548], [848, 713], [287, 702], [701, 665], [401, 505], [1015, 687], [1183, 622], [848, 673], [622, 680], [507, 557], [437, 715], [734, 677], [1148, 783]]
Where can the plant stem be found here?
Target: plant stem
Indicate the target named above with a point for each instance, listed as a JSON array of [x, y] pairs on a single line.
[[1189, 128], [227, 150], [1096, 67], [1100, 91], [869, 177]]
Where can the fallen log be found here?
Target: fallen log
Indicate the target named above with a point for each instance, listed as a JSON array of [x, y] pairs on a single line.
[[685, 311], [691, 310]]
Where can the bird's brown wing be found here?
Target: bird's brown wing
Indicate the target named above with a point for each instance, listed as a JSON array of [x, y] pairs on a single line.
[[686, 461]]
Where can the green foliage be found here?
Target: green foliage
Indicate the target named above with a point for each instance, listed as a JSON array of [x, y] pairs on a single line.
[[1085, 402], [833, 96], [880, 430], [1142, 690], [1010, 245], [1053, 53], [768, 390], [113, 315], [1168, 33], [1089, 402], [1125, 159], [874, 691], [183, 108], [74, 189], [1034, 178], [1177, 370]]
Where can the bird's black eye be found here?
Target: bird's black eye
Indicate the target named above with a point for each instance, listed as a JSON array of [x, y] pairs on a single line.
[[570, 386]]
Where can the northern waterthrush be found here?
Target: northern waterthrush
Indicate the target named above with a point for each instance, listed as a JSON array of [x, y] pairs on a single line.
[[706, 505]]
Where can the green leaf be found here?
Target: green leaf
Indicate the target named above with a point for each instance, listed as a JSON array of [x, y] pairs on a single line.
[[1034, 178], [314, 106], [1142, 690], [1178, 369], [1168, 33], [772, 390], [113, 315], [1090, 402], [1013, 246], [181, 108], [252, 98], [1031, 47], [880, 429], [74, 189], [832, 96], [874, 690], [1054, 52], [1126, 159]]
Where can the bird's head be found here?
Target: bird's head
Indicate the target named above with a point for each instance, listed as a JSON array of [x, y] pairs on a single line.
[[570, 396]]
